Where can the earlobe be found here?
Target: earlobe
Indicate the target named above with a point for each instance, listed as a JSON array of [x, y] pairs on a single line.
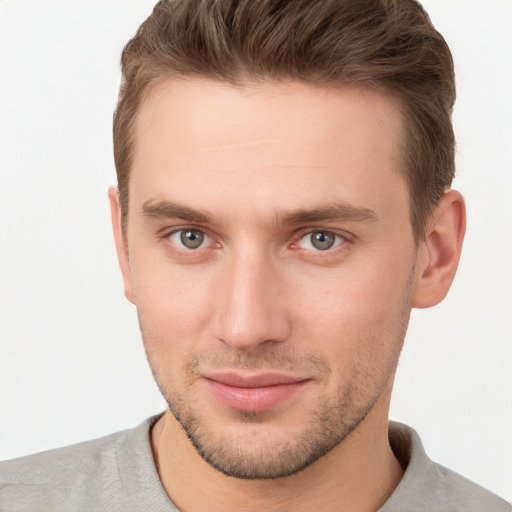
[[439, 253], [120, 240]]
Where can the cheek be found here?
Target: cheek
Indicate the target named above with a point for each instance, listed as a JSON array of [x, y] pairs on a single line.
[[359, 329], [173, 303], [173, 314], [353, 312]]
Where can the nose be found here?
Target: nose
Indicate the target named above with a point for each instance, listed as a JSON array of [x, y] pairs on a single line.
[[252, 309]]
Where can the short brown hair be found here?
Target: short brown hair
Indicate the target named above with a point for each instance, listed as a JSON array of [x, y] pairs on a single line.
[[387, 45]]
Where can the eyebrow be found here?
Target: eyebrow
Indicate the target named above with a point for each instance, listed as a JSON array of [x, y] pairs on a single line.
[[335, 212], [173, 210]]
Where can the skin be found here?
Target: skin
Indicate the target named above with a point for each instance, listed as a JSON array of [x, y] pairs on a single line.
[[257, 169]]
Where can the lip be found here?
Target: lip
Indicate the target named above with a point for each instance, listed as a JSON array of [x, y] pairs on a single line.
[[253, 393]]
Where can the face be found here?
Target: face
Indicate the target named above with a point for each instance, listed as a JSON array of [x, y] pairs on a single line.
[[271, 259]]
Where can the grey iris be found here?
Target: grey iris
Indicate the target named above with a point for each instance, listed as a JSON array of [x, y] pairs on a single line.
[[322, 240], [191, 239]]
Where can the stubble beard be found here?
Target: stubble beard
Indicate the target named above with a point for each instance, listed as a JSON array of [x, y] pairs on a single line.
[[327, 428], [329, 425]]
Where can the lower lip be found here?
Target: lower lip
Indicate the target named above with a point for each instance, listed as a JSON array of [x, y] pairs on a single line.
[[253, 399]]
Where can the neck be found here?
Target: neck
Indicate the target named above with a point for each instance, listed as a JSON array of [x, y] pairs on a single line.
[[359, 474]]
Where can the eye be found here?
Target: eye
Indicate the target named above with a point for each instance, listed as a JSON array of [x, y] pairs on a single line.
[[189, 238], [320, 240]]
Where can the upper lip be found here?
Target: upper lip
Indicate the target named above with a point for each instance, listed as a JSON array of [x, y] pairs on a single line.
[[256, 380]]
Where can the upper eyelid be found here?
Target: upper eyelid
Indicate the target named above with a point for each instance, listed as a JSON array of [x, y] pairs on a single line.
[[167, 231], [335, 233], [165, 237], [296, 236], [339, 232]]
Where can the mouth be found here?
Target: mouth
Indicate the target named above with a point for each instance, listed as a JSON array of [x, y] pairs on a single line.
[[253, 393]]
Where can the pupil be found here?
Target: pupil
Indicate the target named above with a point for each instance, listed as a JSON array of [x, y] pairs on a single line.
[[322, 240], [192, 239]]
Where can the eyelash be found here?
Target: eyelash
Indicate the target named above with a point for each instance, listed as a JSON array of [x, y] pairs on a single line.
[[339, 239], [340, 246], [184, 251], [332, 254]]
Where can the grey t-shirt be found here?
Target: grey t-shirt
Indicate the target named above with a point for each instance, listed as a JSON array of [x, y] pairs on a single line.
[[117, 474]]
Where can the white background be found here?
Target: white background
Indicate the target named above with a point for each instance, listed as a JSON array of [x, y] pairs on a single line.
[[72, 365]]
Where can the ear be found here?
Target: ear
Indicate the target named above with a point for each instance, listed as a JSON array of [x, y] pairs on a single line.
[[439, 252], [121, 242]]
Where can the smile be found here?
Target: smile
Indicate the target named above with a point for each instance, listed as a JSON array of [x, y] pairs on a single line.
[[254, 393]]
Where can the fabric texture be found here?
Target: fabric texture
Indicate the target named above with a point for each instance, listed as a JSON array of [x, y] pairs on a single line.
[[117, 473]]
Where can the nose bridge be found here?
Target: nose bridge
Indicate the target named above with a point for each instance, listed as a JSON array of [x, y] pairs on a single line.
[[252, 310]]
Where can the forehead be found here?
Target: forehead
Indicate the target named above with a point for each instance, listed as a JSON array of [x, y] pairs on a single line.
[[203, 110], [270, 145]]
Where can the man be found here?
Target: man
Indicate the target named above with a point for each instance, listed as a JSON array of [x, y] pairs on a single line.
[[283, 201]]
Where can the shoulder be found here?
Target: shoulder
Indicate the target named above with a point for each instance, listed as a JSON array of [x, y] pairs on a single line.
[[456, 492], [84, 476], [428, 486], [43, 467]]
